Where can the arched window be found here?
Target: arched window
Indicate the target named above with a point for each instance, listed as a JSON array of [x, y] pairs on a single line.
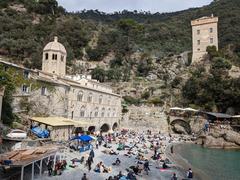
[[90, 97], [109, 100], [54, 56], [103, 112], [82, 111], [100, 99], [80, 96], [96, 112], [113, 115], [46, 56], [62, 57], [109, 112]]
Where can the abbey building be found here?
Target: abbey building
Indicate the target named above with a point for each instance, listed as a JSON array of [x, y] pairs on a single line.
[[51, 93]]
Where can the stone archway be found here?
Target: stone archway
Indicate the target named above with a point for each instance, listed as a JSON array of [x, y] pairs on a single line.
[[115, 126], [105, 128], [78, 130], [181, 123], [91, 129]]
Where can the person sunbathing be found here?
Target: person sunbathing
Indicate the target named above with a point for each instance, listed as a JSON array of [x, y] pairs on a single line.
[[112, 152], [117, 162], [98, 167], [165, 166]]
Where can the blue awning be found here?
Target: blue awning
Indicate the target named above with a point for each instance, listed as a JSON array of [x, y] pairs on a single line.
[[83, 138]]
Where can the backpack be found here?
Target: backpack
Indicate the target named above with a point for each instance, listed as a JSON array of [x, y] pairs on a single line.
[[190, 174]]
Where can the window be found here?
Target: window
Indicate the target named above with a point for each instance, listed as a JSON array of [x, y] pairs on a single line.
[[103, 112], [62, 58], [198, 42], [211, 30], [198, 49], [46, 56], [25, 89], [26, 74], [82, 111], [80, 96], [54, 56], [100, 99], [89, 97], [113, 113], [6, 68], [43, 91], [96, 112], [198, 31], [109, 111], [211, 40]]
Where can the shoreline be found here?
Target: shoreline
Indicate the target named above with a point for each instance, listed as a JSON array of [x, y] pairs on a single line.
[[181, 164]]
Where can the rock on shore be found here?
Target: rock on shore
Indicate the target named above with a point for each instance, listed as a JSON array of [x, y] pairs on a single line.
[[220, 138]]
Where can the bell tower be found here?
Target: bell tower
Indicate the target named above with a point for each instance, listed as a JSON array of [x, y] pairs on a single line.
[[54, 58]]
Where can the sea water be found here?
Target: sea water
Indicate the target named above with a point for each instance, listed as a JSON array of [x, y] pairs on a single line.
[[216, 164]]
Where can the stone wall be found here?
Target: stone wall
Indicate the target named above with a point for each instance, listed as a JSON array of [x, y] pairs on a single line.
[[145, 117]]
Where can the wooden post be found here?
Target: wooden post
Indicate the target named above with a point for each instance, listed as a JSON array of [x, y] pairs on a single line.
[[33, 171], [54, 161], [22, 172], [40, 173]]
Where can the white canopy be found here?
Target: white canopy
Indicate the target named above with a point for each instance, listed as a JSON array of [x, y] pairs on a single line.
[[176, 108], [190, 109], [236, 116]]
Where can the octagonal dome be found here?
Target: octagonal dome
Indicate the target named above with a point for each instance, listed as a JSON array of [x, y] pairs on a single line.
[[55, 46]]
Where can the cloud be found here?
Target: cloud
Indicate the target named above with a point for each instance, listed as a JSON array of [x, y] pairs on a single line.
[[119, 5]]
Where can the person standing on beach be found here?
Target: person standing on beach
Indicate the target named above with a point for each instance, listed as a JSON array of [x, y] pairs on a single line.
[[84, 177], [50, 167], [89, 162], [92, 153], [174, 176], [189, 173]]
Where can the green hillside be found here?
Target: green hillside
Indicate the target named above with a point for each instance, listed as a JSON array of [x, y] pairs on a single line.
[[24, 33]]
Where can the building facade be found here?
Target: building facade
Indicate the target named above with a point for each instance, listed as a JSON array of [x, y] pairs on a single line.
[[204, 34], [50, 92]]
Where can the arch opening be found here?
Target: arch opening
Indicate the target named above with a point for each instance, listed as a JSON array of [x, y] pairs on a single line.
[[105, 128], [91, 129], [78, 130], [115, 126], [182, 123]]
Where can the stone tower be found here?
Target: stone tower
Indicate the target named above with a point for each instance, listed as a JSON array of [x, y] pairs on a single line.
[[204, 34], [54, 58]]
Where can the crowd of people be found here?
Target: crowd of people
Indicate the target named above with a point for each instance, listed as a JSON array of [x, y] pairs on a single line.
[[144, 147], [145, 151]]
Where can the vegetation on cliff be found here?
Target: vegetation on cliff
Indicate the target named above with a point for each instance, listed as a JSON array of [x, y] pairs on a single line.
[[214, 89]]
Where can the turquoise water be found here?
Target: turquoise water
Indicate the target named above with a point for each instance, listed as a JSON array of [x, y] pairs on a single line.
[[216, 164]]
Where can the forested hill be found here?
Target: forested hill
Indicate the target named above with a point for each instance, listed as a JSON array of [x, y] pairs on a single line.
[[26, 25]]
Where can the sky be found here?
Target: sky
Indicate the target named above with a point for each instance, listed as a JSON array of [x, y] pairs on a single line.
[[153, 6]]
